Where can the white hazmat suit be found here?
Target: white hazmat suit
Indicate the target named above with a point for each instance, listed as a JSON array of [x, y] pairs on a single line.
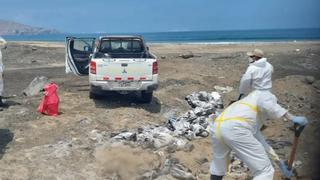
[[257, 77], [3, 44], [236, 130]]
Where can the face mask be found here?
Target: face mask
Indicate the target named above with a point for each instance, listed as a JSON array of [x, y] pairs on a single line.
[[250, 60]]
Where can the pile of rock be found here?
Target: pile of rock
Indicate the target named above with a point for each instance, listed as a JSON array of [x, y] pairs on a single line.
[[195, 122], [154, 137], [192, 124]]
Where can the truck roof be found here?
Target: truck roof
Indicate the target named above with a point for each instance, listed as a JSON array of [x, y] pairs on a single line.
[[121, 36]]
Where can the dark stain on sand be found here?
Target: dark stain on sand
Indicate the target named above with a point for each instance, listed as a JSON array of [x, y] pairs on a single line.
[[6, 136]]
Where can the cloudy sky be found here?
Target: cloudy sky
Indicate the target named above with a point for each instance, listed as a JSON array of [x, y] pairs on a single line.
[[116, 16]]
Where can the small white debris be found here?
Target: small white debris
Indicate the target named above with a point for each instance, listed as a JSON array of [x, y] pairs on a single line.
[[223, 90], [297, 164]]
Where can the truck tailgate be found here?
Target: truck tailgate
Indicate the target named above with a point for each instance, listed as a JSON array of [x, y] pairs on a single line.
[[124, 69]]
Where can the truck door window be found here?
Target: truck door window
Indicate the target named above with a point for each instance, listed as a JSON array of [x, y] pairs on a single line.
[[82, 45]]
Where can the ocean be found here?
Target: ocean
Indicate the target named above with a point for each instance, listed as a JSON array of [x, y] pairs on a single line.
[[238, 36]]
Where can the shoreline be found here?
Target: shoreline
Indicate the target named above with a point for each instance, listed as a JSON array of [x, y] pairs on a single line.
[[36, 43]]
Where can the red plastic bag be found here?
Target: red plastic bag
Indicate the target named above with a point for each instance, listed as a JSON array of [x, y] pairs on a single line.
[[50, 102]]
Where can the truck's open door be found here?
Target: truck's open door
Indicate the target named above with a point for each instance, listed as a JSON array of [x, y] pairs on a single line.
[[78, 51]]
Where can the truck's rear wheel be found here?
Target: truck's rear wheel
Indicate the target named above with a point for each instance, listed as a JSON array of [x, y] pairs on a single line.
[[146, 96]]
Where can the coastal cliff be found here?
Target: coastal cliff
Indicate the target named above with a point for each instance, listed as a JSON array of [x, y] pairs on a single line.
[[14, 28]]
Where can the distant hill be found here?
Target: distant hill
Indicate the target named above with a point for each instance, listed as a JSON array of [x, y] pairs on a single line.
[[13, 28]]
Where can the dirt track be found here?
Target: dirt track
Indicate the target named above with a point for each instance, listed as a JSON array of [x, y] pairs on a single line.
[[34, 146]]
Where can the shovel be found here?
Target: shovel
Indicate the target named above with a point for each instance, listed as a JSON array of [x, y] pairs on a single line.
[[288, 172]]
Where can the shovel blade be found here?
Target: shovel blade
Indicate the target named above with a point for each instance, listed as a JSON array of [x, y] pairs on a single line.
[[285, 171]]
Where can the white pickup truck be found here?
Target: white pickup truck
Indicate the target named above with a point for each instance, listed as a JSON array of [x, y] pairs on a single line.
[[113, 63]]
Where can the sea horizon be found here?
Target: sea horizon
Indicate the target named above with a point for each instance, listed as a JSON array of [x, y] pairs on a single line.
[[203, 37]]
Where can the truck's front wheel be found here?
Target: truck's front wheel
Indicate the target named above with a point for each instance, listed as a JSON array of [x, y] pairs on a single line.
[[146, 96]]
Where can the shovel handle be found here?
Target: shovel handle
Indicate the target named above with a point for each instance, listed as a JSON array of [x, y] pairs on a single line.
[[297, 132], [240, 96], [293, 152], [297, 129]]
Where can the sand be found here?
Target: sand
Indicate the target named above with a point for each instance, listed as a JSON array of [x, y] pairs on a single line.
[[43, 147]]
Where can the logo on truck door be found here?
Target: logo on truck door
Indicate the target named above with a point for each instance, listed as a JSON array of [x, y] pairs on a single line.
[[124, 71]]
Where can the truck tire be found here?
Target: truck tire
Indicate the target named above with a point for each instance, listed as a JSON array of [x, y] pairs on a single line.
[[146, 96]]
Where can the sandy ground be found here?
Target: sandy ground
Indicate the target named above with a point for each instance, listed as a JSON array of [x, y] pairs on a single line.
[[33, 146]]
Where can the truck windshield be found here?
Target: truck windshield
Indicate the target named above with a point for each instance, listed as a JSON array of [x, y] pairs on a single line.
[[121, 46]]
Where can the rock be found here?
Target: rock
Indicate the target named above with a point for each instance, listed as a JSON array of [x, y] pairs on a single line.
[[279, 144], [187, 55], [165, 177], [168, 164], [171, 116], [204, 176], [23, 111], [202, 160], [162, 140], [149, 175], [189, 135], [96, 136], [35, 86], [188, 147], [180, 172], [205, 168], [114, 176], [223, 90], [85, 122], [172, 148], [180, 143], [297, 164], [129, 136], [199, 130], [310, 79], [238, 170], [20, 140], [302, 98], [316, 84]]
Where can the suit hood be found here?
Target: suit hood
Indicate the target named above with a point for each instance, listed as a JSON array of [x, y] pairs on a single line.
[[260, 63]]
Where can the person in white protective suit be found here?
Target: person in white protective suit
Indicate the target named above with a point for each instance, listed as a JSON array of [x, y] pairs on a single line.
[[258, 74], [3, 45], [235, 130]]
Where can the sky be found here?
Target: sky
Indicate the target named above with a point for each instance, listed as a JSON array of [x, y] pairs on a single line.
[[118, 16]]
